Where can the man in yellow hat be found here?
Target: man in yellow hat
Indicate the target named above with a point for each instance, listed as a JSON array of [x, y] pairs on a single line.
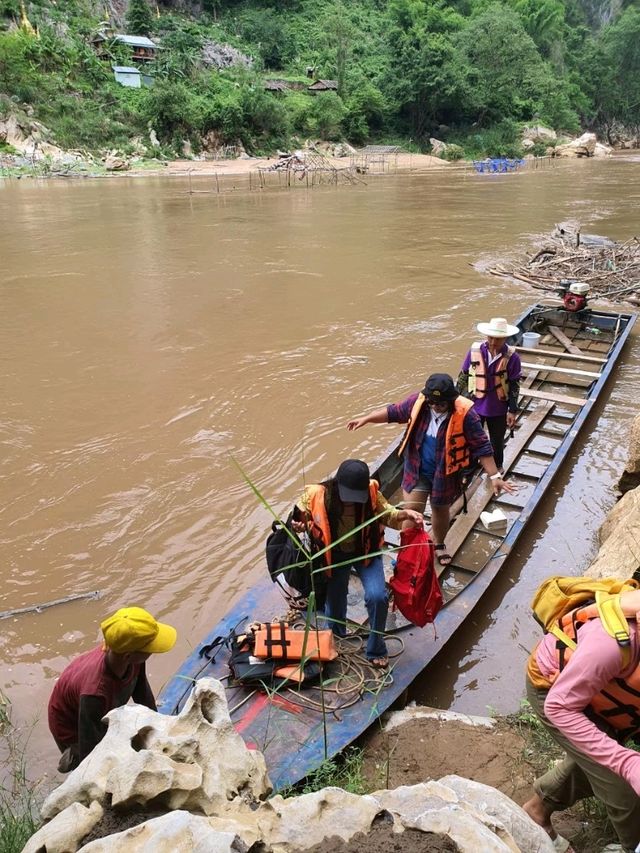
[[105, 678]]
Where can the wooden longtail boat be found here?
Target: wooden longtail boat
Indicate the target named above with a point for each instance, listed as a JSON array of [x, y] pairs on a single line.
[[562, 379]]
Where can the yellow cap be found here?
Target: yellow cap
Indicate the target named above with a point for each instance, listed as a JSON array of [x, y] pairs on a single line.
[[132, 629]]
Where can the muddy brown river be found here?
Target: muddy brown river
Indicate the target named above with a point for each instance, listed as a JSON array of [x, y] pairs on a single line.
[[150, 337]]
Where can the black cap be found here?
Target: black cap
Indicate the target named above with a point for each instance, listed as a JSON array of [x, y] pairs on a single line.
[[353, 481], [440, 388]]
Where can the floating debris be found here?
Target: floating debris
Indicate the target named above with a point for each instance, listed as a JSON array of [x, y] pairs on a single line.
[[612, 270]]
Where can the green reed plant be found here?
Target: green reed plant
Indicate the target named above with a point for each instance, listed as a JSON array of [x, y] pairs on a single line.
[[18, 796]]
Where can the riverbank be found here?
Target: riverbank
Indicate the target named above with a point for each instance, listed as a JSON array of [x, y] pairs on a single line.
[[12, 167]]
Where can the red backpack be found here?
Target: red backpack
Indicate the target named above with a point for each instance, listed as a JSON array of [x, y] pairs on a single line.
[[416, 591]]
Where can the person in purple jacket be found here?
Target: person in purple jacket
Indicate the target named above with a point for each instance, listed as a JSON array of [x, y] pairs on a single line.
[[490, 377], [443, 438]]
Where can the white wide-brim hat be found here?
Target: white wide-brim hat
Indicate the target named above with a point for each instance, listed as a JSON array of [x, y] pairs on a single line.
[[497, 327]]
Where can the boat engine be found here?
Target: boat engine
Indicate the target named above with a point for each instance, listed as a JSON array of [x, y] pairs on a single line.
[[574, 295]]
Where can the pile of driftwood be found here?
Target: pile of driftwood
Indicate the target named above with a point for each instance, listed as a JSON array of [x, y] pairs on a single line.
[[612, 270]]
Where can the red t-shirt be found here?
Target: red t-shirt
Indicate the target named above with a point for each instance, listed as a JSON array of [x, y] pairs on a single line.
[[86, 691]]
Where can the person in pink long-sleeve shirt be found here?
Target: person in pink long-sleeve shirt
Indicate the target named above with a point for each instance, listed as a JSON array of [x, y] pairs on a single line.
[[597, 764]]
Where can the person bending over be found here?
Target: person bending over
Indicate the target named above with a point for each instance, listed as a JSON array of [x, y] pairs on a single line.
[[105, 678], [589, 702]]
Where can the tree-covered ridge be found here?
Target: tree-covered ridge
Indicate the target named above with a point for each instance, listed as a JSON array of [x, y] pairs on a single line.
[[467, 70]]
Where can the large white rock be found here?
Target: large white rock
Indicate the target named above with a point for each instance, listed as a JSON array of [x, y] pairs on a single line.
[[65, 832], [195, 760], [324, 813], [526, 833], [438, 147], [434, 807], [583, 146], [619, 537], [602, 150], [539, 133], [172, 833]]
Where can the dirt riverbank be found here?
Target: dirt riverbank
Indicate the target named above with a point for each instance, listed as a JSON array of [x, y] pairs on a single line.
[[508, 757]]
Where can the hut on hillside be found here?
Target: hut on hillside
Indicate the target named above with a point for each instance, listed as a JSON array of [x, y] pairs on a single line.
[[275, 86], [143, 49], [323, 86], [129, 75]]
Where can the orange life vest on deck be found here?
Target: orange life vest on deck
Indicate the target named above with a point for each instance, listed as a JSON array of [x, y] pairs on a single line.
[[618, 704], [317, 508], [480, 383], [457, 454]]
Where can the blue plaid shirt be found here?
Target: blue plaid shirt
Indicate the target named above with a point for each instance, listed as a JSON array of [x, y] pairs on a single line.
[[446, 488]]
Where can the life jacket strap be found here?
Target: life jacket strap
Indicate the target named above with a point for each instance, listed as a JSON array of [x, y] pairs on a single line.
[[614, 622], [273, 642]]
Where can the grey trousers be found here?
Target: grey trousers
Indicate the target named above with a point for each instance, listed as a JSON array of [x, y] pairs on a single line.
[[578, 777]]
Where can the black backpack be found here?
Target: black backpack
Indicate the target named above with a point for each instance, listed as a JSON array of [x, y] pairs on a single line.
[[286, 559]]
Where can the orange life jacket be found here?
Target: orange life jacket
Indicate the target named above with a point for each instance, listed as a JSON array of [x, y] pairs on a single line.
[[618, 704], [457, 455], [480, 383], [317, 508]]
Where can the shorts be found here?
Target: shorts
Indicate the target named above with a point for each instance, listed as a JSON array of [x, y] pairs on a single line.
[[424, 484]]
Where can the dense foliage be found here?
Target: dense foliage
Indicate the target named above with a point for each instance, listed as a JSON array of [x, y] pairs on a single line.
[[468, 71]]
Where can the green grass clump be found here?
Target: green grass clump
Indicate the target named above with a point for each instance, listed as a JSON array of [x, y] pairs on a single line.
[[18, 798], [345, 771]]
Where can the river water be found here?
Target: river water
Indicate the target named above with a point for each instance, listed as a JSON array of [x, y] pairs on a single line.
[[155, 342]]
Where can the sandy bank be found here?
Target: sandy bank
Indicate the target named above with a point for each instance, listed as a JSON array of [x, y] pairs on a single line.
[[233, 168]]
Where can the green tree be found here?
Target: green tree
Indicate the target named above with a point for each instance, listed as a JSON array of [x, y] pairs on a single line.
[[326, 115], [504, 75], [339, 35], [543, 20], [174, 110], [421, 77], [139, 18], [615, 79], [267, 30]]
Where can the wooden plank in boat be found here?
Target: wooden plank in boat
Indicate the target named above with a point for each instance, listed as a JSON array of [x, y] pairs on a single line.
[[570, 370], [554, 398], [560, 336], [556, 353], [463, 524]]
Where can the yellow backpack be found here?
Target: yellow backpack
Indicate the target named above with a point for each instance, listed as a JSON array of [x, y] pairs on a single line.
[[557, 596]]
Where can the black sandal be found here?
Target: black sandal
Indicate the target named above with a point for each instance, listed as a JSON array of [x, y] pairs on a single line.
[[444, 559]]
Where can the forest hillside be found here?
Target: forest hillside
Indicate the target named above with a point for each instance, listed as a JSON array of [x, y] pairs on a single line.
[[225, 73]]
